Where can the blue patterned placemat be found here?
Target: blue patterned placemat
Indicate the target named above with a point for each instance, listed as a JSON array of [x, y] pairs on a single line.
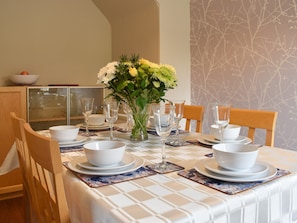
[[71, 149], [99, 181], [223, 186]]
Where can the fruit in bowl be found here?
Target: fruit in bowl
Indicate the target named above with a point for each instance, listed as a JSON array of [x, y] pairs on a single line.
[[236, 157], [24, 78], [24, 72]]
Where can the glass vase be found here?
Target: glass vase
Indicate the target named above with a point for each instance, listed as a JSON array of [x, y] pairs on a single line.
[[139, 130]]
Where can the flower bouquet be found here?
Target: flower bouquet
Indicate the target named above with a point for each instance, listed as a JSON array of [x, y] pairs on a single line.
[[138, 83]]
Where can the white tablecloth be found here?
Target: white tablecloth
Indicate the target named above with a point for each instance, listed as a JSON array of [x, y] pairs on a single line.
[[172, 198]]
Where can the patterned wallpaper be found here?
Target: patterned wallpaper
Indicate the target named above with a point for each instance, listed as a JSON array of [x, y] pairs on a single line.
[[245, 52]]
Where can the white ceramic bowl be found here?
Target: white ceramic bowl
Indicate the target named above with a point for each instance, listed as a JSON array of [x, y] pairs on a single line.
[[237, 157], [63, 133], [231, 132], [96, 119], [104, 153], [24, 79]]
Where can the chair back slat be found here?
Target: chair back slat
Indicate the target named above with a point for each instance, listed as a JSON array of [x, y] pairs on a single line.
[[255, 119], [47, 170], [25, 166], [196, 113]]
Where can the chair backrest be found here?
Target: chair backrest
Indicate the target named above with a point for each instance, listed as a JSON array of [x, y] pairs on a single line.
[[22, 150], [255, 119], [24, 161], [47, 171], [196, 113]]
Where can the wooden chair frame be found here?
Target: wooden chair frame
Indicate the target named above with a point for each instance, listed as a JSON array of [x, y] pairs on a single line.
[[255, 119], [194, 112], [47, 170], [25, 166]]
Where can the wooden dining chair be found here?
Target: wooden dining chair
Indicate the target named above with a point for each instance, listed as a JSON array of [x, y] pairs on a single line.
[[24, 161], [47, 171], [255, 119], [193, 113]]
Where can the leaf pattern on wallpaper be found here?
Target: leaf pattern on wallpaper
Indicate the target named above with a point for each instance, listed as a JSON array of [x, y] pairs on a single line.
[[245, 52]]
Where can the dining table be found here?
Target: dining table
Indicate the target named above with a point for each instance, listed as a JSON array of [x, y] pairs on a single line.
[[183, 194]]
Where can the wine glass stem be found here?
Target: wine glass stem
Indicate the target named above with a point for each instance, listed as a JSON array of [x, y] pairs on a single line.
[[111, 132], [177, 131], [222, 133], [163, 152], [87, 125]]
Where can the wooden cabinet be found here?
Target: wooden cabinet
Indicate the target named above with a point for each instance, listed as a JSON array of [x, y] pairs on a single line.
[[42, 107], [11, 99]]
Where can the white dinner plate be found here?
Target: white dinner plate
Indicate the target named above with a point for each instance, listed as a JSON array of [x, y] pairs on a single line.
[[270, 172], [259, 168], [80, 140], [72, 165], [104, 126], [127, 160], [240, 139], [203, 141]]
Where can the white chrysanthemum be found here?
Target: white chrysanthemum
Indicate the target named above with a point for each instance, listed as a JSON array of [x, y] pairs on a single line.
[[107, 73]]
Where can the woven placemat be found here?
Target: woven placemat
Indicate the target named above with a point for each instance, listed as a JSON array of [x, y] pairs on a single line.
[[223, 186], [99, 181]]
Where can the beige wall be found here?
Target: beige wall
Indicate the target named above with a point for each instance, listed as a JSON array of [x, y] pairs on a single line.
[[135, 27], [175, 44], [65, 42]]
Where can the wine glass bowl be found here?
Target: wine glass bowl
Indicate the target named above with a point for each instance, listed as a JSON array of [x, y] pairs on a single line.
[[221, 114], [178, 115], [111, 114], [87, 108], [164, 122]]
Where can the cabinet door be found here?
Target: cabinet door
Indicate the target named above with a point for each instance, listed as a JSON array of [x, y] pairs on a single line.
[[76, 93], [11, 99], [47, 106]]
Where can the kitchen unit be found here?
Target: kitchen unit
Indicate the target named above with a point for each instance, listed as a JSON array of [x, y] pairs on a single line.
[[42, 107], [60, 105]]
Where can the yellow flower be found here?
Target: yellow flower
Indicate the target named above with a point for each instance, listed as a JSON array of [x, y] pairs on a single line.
[[133, 71], [144, 61]]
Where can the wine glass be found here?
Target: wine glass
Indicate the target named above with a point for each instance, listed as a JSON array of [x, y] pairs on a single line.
[[178, 115], [111, 114], [87, 108], [127, 110], [221, 113], [164, 121]]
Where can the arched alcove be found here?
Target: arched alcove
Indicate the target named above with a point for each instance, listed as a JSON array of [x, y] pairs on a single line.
[[134, 26]]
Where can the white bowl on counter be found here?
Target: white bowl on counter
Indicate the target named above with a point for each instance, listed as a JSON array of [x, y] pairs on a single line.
[[104, 153], [64, 133], [24, 79], [236, 157]]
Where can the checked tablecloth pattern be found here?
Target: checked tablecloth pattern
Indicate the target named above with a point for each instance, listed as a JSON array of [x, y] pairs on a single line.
[[173, 198]]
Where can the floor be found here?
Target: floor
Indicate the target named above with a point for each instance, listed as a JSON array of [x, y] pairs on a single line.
[[12, 210]]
